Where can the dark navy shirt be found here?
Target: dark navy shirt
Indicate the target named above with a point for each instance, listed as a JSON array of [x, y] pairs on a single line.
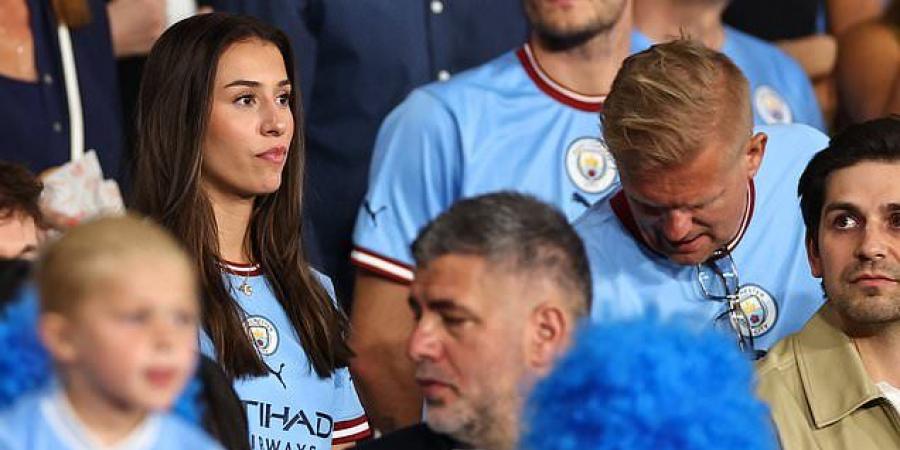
[[358, 59], [34, 118]]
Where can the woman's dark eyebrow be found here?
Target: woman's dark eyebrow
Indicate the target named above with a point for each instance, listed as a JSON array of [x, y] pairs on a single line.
[[250, 83]]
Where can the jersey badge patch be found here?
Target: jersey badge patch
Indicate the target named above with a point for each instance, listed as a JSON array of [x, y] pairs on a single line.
[[759, 308], [590, 165], [263, 333], [771, 106]]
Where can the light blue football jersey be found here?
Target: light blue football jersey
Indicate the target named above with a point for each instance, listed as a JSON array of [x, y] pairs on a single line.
[[291, 408], [505, 125], [778, 293], [44, 421], [780, 91]]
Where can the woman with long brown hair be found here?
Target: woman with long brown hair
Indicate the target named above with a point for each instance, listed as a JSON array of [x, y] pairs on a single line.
[[219, 161]]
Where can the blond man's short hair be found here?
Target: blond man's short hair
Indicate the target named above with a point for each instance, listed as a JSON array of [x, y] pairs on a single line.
[[82, 260], [668, 101]]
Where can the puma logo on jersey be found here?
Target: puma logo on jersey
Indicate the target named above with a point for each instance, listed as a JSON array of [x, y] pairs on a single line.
[[278, 374], [373, 213]]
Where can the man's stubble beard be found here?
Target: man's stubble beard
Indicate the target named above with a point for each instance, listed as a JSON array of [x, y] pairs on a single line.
[[556, 39]]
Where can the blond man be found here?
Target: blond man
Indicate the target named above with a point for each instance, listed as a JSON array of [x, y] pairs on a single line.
[[706, 225]]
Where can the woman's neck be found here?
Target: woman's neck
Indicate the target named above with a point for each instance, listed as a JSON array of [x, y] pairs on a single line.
[[232, 215]]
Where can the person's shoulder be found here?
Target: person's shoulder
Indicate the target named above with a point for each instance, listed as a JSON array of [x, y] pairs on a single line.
[[21, 419], [598, 216], [794, 138], [187, 435], [491, 77], [412, 438], [779, 361], [599, 225], [755, 44], [869, 34]]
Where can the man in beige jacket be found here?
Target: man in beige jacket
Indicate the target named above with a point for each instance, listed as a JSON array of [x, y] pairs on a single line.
[[834, 385]]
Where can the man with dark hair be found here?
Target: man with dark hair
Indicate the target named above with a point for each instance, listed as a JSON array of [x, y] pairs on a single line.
[[500, 284], [20, 214], [834, 384]]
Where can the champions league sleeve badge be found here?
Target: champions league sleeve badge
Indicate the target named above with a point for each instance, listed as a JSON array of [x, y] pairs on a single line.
[[771, 106], [759, 308], [590, 165], [263, 334]]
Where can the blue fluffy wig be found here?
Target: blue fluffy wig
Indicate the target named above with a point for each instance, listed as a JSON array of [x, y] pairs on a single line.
[[647, 384]]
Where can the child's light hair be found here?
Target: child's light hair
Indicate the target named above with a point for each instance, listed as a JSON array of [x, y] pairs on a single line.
[[79, 263]]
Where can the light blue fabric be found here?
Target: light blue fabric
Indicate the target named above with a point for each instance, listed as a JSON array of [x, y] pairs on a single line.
[[291, 408], [39, 422], [488, 129], [629, 279], [780, 91]]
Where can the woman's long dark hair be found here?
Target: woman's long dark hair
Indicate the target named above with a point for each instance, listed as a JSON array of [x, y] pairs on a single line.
[[173, 113]]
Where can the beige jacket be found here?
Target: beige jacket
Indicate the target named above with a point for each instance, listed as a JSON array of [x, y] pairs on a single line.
[[821, 396]]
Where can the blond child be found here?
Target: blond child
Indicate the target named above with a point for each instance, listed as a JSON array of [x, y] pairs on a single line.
[[119, 316]]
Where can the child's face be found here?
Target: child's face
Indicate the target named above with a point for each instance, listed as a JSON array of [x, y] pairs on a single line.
[[133, 341]]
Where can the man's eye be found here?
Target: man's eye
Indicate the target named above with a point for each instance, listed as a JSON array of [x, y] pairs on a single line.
[[451, 321], [845, 222], [894, 220]]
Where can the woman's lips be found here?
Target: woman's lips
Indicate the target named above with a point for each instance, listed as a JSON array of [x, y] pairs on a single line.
[[275, 155]]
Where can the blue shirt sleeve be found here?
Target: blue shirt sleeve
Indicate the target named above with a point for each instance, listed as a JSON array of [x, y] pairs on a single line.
[[414, 177]]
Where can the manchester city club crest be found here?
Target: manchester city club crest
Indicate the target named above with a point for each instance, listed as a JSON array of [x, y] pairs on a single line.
[[590, 165], [263, 334], [771, 106], [759, 308]]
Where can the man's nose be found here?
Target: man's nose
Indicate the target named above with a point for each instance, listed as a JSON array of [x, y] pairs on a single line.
[[676, 225]]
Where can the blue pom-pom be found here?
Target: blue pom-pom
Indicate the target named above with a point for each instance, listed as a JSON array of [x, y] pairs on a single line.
[[646, 384], [25, 365]]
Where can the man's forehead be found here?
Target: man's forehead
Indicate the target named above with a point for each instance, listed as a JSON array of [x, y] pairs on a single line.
[[865, 184], [449, 274]]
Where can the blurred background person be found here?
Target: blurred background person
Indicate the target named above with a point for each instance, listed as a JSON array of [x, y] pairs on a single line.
[[357, 59], [808, 31], [58, 77], [868, 67], [21, 220], [220, 165], [780, 90]]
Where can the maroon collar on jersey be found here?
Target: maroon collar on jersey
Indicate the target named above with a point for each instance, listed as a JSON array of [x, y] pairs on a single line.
[[623, 212], [583, 102], [240, 269]]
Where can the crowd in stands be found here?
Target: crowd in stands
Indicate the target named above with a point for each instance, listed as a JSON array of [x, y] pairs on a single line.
[[449, 224]]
